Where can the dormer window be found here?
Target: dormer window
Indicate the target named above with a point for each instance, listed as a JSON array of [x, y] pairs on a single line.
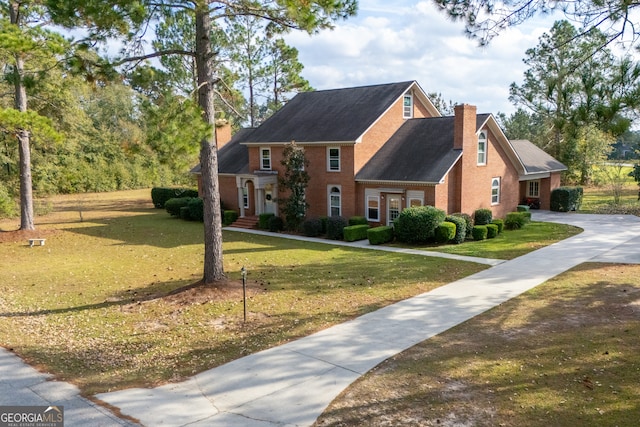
[[407, 111]]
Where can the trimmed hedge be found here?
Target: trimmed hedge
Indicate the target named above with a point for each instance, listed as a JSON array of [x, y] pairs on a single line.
[[380, 235], [468, 221], [335, 227], [461, 228], [323, 221], [263, 220], [173, 205], [358, 220], [184, 213], [522, 208], [229, 217], [492, 231], [482, 216], [445, 232], [276, 224], [355, 232], [160, 195], [479, 232], [312, 227], [566, 199], [499, 223], [196, 209], [515, 220], [418, 224]]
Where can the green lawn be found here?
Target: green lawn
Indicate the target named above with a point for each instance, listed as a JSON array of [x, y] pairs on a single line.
[[94, 306]]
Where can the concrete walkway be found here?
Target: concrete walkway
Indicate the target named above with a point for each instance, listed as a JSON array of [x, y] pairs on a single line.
[[292, 384]]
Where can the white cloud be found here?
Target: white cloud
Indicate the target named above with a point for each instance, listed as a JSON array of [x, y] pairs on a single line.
[[409, 40]]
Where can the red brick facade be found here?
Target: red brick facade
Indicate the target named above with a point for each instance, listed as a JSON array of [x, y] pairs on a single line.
[[469, 185]]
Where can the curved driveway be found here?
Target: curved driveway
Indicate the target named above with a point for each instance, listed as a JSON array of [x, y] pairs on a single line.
[[292, 384]]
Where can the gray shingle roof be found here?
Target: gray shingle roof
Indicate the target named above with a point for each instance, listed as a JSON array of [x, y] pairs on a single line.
[[233, 158], [420, 151], [329, 115], [534, 159]]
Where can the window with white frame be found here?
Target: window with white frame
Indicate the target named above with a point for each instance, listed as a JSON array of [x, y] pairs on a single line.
[[407, 106], [495, 191], [245, 196], [533, 189], [335, 202], [415, 198], [333, 159], [265, 158], [373, 208], [482, 148]]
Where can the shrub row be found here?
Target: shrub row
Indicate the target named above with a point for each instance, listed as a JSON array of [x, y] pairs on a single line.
[[160, 195]]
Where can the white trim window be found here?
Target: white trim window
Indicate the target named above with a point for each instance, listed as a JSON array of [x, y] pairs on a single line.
[[245, 196], [335, 201], [407, 106], [495, 191], [415, 198], [482, 148], [265, 158], [373, 208], [533, 188], [333, 159]]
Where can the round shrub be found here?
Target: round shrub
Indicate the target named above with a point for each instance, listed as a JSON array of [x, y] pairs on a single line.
[[263, 220], [461, 228], [184, 213], [196, 209], [479, 232], [482, 216], [515, 221], [312, 227], [335, 227], [492, 231], [445, 232], [467, 219], [229, 217], [173, 205], [418, 224], [276, 224], [499, 223]]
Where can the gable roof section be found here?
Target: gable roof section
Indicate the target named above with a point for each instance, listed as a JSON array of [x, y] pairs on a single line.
[[534, 159], [420, 151], [233, 158], [338, 115]]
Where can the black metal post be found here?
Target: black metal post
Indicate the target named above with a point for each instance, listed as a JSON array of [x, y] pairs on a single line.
[[244, 291]]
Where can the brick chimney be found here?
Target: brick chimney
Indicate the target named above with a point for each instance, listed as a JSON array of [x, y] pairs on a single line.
[[464, 128], [223, 132]]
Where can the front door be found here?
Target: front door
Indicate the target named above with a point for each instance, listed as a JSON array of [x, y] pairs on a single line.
[[393, 208], [269, 202]]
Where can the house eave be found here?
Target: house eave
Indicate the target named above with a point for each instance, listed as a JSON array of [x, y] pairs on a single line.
[[302, 144], [396, 183]]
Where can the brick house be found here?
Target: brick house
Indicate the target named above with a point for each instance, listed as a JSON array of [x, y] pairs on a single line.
[[375, 150]]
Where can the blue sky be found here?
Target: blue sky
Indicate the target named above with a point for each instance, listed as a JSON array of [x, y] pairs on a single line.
[[413, 40]]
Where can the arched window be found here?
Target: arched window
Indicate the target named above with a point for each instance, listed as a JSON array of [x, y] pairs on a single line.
[[335, 202], [495, 191], [482, 148]]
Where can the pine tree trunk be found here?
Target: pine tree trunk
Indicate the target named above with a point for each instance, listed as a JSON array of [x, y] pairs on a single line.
[[27, 221], [213, 266]]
